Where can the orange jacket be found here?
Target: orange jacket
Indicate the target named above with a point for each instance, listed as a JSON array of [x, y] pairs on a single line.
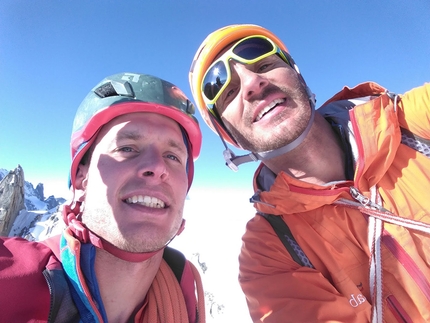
[[335, 238]]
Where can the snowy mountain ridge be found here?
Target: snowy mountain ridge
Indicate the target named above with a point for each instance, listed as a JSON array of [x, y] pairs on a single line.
[[40, 217]]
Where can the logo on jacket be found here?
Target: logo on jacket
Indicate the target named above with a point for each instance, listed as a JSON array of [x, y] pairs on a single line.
[[357, 300]]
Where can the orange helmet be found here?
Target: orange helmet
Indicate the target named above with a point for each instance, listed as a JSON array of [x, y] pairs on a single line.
[[205, 55]]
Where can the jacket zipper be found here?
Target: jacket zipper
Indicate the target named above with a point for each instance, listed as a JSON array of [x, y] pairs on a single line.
[[397, 310], [81, 279], [51, 294], [411, 267], [364, 200], [84, 286], [396, 250]]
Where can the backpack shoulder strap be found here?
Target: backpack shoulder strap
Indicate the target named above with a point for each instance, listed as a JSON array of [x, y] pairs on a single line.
[[413, 141], [287, 239], [422, 145], [176, 261]]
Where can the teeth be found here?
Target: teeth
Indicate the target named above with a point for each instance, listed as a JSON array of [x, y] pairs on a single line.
[[146, 201], [268, 108]]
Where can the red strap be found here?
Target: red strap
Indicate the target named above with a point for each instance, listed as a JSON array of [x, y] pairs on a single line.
[[83, 234]]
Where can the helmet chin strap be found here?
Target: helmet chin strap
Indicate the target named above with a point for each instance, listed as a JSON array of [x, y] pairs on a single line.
[[233, 161], [85, 235]]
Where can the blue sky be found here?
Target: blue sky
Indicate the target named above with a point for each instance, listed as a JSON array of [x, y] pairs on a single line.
[[53, 52]]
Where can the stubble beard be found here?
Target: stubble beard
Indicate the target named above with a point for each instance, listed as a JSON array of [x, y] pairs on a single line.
[[105, 226], [282, 133]]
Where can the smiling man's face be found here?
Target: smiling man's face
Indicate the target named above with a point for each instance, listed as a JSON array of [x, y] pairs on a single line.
[[136, 182], [265, 106]]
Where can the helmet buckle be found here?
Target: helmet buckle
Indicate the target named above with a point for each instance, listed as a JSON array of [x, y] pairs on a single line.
[[228, 157]]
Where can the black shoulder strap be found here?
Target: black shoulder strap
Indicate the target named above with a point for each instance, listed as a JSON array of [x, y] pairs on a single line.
[[62, 308], [287, 238], [176, 261]]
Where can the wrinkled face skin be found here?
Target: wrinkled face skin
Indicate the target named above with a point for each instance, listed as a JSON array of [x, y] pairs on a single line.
[[136, 182], [265, 106]]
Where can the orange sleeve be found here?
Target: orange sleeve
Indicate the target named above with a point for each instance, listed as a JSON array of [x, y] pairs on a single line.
[[277, 289]]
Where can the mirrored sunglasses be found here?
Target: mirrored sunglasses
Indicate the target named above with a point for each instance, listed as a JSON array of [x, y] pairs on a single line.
[[248, 50]]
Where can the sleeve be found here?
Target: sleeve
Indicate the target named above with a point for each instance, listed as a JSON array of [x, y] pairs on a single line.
[[278, 290], [22, 283], [414, 111]]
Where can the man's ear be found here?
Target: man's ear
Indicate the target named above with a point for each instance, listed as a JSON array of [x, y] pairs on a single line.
[[81, 182], [81, 177]]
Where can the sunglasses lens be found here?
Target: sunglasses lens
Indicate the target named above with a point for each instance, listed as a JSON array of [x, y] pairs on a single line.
[[252, 48], [214, 80]]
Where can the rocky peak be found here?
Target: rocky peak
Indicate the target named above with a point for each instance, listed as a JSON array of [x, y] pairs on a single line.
[[24, 211], [11, 198], [39, 192]]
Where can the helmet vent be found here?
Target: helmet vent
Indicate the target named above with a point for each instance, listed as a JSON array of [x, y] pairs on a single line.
[[113, 88]]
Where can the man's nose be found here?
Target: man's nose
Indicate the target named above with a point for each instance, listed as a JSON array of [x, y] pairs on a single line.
[[152, 165], [252, 83]]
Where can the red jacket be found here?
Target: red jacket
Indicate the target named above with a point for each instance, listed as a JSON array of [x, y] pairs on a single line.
[[36, 288], [335, 237], [24, 295]]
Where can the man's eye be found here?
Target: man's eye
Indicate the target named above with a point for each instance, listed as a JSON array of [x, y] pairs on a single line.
[[263, 67], [226, 97], [230, 92], [173, 157], [126, 149]]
